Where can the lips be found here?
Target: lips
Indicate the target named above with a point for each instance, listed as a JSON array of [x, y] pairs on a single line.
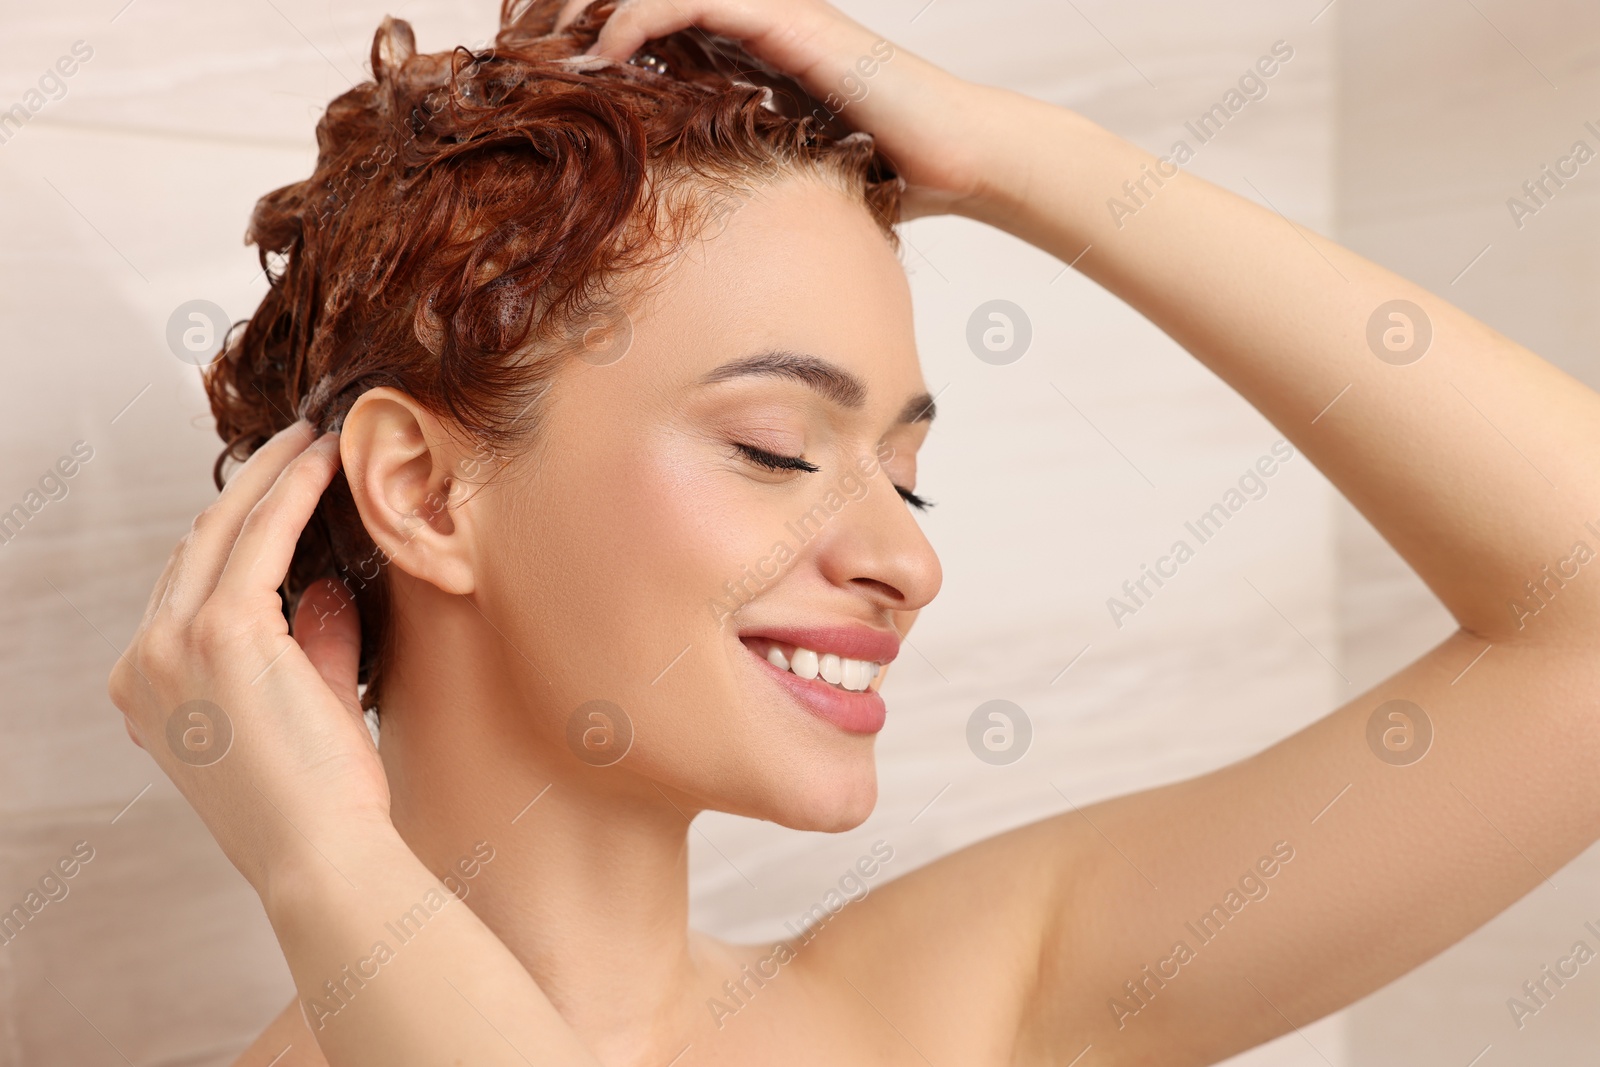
[[849, 642], [854, 709]]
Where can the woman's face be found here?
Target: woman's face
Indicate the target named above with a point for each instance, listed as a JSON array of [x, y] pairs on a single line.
[[646, 554]]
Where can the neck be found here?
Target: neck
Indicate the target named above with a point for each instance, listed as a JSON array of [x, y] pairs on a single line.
[[587, 883]]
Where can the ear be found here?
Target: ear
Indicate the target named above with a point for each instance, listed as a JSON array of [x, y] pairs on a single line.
[[401, 462]]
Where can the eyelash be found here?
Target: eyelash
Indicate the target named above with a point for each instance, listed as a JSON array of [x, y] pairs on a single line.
[[774, 462]]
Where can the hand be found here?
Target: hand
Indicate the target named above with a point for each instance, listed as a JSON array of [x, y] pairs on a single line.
[[927, 122], [260, 730]]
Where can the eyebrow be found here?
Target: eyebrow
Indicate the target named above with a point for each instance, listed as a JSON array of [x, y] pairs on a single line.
[[827, 379]]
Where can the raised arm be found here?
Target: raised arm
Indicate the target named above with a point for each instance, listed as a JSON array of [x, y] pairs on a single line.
[[1472, 456], [260, 731], [1476, 460]]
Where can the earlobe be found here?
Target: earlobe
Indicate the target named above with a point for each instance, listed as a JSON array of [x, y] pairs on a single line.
[[400, 463]]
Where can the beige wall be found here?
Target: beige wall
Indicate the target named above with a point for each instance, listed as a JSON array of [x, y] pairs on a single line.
[[1443, 113], [1402, 125]]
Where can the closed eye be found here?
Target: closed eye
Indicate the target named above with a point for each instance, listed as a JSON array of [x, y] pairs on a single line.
[[774, 462]]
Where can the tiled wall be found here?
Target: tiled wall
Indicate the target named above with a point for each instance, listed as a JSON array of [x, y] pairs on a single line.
[[1056, 476], [1443, 112]]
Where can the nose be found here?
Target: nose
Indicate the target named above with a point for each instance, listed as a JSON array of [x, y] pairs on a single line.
[[880, 550]]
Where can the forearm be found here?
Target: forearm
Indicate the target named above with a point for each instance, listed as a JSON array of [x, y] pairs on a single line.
[[392, 969], [1476, 461]]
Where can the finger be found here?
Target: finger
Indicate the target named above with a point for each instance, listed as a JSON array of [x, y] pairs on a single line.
[[266, 542], [163, 580], [208, 545], [570, 12], [636, 21], [329, 631]]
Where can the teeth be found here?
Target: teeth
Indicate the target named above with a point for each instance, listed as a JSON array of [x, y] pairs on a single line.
[[852, 674], [855, 674], [804, 663]]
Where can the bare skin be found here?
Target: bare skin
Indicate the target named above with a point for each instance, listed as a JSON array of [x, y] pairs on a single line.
[[574, 946]]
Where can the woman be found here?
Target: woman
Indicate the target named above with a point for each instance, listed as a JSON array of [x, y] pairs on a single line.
[[577, 630]]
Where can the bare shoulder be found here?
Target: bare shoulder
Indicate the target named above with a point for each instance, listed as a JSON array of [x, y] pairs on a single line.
[[286, 1042], [949, 950]]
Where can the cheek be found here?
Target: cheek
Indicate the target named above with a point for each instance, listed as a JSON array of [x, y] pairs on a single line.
[[708, 537], [627, 554]]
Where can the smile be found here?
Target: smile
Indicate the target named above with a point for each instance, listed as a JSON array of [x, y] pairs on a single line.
[[853, 675], [829, 672]]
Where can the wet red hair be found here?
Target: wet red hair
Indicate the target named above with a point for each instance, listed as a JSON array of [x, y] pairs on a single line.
[[467, 209]]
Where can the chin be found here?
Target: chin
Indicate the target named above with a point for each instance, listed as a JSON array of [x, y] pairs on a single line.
[[800, 753], [808, 758], [838, 819], [832, 796]]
